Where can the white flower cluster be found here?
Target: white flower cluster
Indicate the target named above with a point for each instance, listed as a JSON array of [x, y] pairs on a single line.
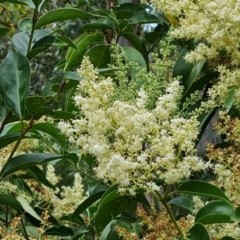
[[215, 22], [133, 146]]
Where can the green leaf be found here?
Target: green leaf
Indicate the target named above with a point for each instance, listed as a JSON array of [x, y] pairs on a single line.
[[132, 55], [67, 40], [22, 2], [201, 188], [41, 45], [228, 238], [20, 41], [182, 202], [27, 160], [72, 76], [25, 24], [15, 76], [215, 212], [99, 55], [32, 231], [77, 219], [127, 10], [192, 76], [96, 186], [200, 83], [40, 176], [86, 204], [52, 130], [230, 100], [143, 17], [153, 37], [10, 138], [3, 30], [74, 56], [79, 234], [102, 23], [6, 199], [181, 67], [28, 208], [109, 232], [198, 232], [62, 14], [136, 42], [112, 209], [34, 103], [123, 27], [59, 231], [69, 105], [63, 115]]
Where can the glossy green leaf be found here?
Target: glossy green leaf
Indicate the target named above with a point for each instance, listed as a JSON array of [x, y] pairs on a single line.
[[181, 67], [198, 232], [215, 212], [59, 231], [32, 231], [67, 41], [15, 76], [79, 234], [26, 206], [62, 14], [47, 90], [200, 83], [72, 76], [228, 238], [63, 115], [201, 188], [109, 232], [144, 17], [192, 76], [41, 45], [74, 56], [3, 30], [22, 2], [106, 13], [123, 27], [132, 55], [3, 113], [153, 37], [230, 100], [69, 105], [20, 41], [27, 160], [34, 103], [102, 23], [39, 34], [182, 202], [106, 212], [99, 55], [96, 186], [22, 186], [40, 176], [10, 138], [77, 219], [136, 42], [52, 130], [64, 86], [86, 204], [25, 24], [6, 199], [127, 10]]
